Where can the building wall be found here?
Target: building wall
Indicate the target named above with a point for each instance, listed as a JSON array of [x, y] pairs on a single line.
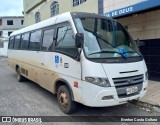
[[64, 6], [5, 33], [5, 29], [16, 23], [143, 26], [110, 5], [3, 51]]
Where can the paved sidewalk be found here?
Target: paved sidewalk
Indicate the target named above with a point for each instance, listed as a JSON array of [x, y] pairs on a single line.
[[153, 94], [151, 101]]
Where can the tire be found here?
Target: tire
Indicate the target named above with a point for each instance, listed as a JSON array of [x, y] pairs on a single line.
[[65, 101], [20, 78]]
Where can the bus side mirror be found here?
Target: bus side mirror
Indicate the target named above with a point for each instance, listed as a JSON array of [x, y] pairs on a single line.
[[140, 43], [79, 40]]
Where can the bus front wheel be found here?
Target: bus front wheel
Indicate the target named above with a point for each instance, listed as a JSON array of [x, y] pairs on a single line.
[[65, 101]]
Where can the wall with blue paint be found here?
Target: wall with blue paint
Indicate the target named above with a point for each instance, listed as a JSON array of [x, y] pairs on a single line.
[[118, 8]]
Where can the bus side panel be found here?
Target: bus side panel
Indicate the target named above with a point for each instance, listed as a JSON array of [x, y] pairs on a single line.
[[42, 69], [31, 67]]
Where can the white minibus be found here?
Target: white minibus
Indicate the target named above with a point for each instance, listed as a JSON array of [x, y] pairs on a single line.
[[83, 58]]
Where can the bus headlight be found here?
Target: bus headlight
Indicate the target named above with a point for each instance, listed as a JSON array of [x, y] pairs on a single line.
[[103, 82]]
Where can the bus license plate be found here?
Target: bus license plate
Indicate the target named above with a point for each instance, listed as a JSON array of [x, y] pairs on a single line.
[[132, 90]]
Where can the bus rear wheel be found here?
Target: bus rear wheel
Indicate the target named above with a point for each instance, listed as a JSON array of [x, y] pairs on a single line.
[[20, 78], [65, 101]]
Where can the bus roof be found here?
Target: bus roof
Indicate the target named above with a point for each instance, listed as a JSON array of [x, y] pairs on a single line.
[[58, 19], [51, 21], [89, 15]]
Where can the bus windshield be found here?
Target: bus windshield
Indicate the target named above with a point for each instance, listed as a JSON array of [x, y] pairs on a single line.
[[106, 39]]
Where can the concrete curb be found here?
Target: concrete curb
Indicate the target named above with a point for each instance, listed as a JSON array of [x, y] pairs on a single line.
[[147, 105]]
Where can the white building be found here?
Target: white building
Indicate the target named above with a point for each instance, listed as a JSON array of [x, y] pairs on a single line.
[[7, 26]]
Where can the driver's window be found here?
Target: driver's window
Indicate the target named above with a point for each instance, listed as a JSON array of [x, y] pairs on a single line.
[[65, 36], [65, 41]]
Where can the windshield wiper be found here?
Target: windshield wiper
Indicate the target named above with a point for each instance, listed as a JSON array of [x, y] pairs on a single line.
[[121, 54]]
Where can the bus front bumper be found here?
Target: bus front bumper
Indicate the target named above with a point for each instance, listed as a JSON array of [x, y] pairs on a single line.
[[100, 97]]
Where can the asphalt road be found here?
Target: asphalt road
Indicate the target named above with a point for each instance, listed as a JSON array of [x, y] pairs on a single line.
[[29, 99]]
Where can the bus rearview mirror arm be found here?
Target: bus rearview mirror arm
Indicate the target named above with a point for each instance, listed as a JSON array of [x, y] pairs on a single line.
[[79, 40], [79, 54]]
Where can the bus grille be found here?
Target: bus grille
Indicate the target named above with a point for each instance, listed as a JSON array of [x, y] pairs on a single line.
[[123, 83]]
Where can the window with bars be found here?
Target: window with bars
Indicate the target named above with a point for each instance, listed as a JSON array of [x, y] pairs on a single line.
[[38, 17], [9, 22], [54, 8], [78, 2]]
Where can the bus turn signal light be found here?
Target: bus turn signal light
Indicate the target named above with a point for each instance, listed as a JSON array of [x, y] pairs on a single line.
[[75, 84]]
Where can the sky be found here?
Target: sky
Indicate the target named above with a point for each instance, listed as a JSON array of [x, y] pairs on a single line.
[[11, 7]]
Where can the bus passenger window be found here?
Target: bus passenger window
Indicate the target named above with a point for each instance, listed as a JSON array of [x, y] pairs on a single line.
[[47, 44], [24, 41], [65, 41], [17, 42], [11, 43], [35, 40]]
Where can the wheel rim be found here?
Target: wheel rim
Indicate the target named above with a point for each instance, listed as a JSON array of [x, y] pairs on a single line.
[[63, 99]]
